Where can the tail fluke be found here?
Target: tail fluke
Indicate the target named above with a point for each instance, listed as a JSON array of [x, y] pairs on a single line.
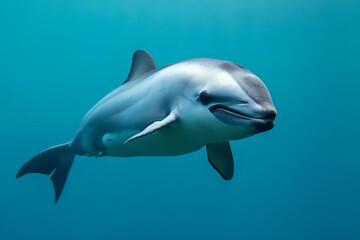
[[56, 160]]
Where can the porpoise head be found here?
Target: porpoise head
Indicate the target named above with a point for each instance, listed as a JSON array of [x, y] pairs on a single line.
[[234, 103]]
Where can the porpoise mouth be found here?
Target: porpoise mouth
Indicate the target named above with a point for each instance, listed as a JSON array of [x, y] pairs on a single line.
[[219, 107]]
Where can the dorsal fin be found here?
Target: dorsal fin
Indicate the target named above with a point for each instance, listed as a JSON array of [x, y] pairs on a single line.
[[142, 62]]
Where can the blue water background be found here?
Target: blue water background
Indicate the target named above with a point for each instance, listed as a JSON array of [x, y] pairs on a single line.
[[300, 180]]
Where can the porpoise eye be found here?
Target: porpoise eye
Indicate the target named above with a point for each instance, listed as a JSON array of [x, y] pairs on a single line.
[[204, 98]]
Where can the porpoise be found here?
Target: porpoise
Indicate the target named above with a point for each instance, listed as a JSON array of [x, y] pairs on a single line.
[[167, 111]]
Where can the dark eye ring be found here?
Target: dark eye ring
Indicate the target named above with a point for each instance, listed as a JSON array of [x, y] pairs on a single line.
[[204, 98]]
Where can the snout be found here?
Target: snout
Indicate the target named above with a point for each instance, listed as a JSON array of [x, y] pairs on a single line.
[[235, 113], [266, 119], [259, 94], [270, 113]]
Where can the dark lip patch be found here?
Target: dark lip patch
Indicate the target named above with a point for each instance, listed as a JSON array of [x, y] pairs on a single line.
[[213, 108]]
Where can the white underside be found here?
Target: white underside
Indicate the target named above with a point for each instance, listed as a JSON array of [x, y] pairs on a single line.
[[164, 142]]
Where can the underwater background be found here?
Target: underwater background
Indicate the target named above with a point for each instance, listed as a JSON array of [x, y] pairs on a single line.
[[301, 180]]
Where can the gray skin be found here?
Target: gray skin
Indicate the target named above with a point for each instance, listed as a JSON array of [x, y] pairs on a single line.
[[173, 110], [153, 95]]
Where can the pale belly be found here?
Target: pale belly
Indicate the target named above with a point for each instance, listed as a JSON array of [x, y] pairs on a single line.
[[164, 142]]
